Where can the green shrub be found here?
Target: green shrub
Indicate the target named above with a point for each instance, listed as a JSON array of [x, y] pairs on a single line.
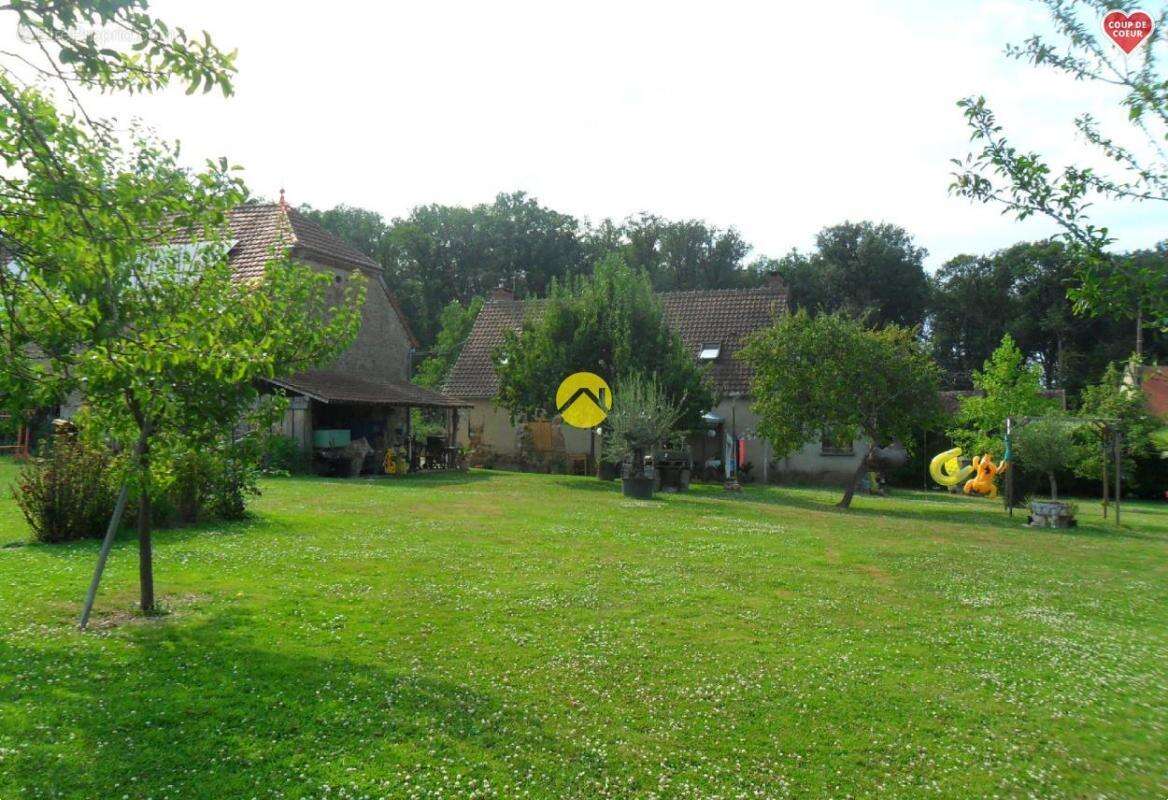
[[235, 479], [283, 455], [66, 493], [212, 481]]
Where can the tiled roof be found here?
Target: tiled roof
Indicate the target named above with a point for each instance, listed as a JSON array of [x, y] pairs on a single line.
[[260, 230], [723, 317], [473, 374], [713, 316], [337, 387], [1154, 383]]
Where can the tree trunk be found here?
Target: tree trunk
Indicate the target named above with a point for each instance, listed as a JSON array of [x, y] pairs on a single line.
[[846, 502], [145, 547], [1053, 487]]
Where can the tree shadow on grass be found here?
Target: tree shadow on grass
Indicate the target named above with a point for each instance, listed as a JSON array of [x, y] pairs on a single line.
[[940, 507], [423, 479], [204, 709]]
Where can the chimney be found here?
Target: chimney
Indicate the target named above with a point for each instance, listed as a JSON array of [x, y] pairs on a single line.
[[502, 293]]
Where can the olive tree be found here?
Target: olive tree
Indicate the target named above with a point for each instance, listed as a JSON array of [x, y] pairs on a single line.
[[1047, 445], [641, 418]]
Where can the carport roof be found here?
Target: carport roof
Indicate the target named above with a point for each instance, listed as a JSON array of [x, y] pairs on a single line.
[[337, 387]]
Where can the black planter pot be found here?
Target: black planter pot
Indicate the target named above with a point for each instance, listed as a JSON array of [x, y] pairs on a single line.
[[607, 470], [639, 487]]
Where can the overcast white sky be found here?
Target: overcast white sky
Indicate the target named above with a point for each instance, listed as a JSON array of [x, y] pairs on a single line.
[[774, 118]]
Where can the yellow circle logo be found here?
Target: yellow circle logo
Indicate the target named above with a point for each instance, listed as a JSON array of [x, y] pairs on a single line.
[[583, 400]]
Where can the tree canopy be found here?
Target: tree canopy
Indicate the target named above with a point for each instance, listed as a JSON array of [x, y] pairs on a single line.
[[830, 375], [1021, 290], [863, 268], [610, 323], [1129, 165]]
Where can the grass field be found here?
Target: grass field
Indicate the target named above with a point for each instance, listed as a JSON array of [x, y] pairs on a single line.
[[503, 635]]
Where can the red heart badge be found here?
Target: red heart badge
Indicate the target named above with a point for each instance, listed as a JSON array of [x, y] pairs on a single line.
[[1128, 31]]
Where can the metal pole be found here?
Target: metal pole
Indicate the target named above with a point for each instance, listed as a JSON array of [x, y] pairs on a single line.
[[1118, 471], [1009, 493], [1106, 458], [106, 543]]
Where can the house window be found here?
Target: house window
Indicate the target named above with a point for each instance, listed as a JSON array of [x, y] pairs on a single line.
[[709, 352], [832, 446]]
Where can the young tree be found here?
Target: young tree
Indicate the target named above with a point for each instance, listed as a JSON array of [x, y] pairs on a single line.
[[1012, 388], [1113, 399], [609, 323], [642, 419], [1047, 445], [829, 374], [96, 297], [1025, 184]]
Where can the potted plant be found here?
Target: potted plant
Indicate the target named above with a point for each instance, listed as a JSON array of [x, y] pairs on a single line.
[[642, 417], [1048, 445]]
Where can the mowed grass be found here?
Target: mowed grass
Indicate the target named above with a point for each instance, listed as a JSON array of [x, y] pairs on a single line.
[[504, 635]]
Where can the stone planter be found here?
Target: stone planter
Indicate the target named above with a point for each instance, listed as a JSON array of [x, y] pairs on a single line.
[[639, 487], [1051, 514]]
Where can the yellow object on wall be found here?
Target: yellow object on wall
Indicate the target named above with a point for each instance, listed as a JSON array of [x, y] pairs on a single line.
[[987, 471], [947, 470]]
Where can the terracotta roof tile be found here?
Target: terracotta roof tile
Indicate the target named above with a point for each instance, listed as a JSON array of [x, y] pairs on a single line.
[[259, 231], [713, 316], [1154, 383]]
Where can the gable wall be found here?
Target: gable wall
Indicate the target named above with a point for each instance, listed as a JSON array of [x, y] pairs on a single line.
[[381, 350]]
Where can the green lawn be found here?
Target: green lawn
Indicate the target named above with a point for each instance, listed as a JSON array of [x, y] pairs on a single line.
[[520, 635]]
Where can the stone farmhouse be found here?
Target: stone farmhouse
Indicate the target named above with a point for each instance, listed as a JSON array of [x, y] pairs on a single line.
[[366, 392]]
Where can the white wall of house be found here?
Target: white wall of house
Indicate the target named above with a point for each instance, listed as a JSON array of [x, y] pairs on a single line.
[[808, 464]]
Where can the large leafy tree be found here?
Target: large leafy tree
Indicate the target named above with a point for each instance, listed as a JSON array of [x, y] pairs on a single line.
[[1022, 291], [1135, 161], [609, 323], [439, 253], [829, 374], [973, 302], [863, 268], [677, 254], [97, 299]]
